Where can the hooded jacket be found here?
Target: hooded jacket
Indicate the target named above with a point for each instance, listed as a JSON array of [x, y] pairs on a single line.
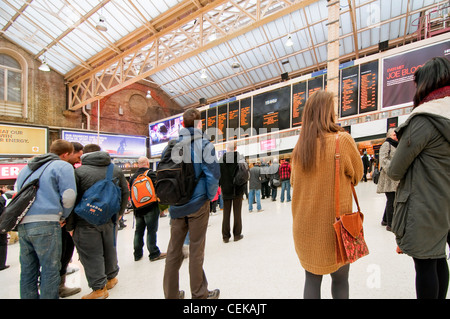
[[93, 168], [206, 167], [56, 195], [421, 220]]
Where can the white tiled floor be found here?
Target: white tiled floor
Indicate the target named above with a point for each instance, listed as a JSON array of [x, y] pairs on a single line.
[[262, 265]]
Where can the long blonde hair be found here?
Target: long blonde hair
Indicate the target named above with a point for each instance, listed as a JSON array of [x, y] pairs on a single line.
[[318, 119]]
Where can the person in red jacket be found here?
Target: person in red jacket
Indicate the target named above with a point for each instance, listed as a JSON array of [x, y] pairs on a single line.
[[285, 177]]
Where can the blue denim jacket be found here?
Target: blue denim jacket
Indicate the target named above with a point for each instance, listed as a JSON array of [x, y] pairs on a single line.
[[206, 168]]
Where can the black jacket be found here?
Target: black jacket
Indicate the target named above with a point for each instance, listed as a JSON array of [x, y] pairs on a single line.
[[228, 164]]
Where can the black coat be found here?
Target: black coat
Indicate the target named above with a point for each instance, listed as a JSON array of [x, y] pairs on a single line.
[[228, 163]]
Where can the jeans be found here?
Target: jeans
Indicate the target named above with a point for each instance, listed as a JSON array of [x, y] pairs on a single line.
[[40, 256], [286, 186], [251, 196], [151, 222]]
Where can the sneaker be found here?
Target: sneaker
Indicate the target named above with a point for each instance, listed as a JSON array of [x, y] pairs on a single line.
[[111, 283], [214, 294], [260, 210], [97, 294]]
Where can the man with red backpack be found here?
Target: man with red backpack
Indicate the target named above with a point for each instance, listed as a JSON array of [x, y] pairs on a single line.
[[146, 210]]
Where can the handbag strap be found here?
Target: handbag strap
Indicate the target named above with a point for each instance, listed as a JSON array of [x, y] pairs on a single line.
[[337, 157]]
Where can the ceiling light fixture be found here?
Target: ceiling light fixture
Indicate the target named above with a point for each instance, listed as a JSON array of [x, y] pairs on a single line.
[[204, 75], [235, 65], [148, 96], [44, 66], [101, 25], [289, 41]]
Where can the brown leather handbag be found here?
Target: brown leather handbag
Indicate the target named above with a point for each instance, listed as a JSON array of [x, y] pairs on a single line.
[[350, 243]]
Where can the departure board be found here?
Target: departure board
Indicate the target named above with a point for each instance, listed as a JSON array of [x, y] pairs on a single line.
[[368, 87], [271, 110], [315, 84], [222, 115], [298, 102], [233, 120], [211, 122], [203, 117], [349, 91], [245, 116]]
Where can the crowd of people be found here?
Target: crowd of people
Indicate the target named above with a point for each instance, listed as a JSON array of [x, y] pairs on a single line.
[[414, 177]]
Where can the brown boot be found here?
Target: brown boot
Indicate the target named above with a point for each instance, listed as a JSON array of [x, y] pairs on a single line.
[[111, 283], [97, 294], [66, 291]]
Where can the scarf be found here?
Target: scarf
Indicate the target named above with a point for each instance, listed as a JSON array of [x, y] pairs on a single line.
[[392, 142], [437, 94]]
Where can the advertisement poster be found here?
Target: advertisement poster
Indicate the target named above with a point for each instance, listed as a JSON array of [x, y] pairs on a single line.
[[398, 73], [116, 145], [22, 140]]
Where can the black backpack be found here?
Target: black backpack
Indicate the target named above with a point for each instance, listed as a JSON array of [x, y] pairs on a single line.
[[19, 206], [241, 173], [175, 177]]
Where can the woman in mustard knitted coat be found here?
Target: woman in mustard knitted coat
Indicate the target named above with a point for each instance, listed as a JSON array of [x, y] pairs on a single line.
[[312, 179]]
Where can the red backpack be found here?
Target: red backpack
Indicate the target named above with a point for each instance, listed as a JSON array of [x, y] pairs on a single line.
[[142, 191]]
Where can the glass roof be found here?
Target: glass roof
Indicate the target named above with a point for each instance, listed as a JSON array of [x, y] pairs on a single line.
[[65, 33]]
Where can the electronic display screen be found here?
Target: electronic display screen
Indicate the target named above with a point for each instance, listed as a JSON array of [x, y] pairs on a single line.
[[211, 123], [245, 116], [315, 84], [298, 102], [368, 87], [203, 119], [162, 132], [271, 110], [222, 117], [233, 120], [349, 91]]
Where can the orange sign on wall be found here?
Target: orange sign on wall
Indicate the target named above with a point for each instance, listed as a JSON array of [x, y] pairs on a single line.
[[22, 140]]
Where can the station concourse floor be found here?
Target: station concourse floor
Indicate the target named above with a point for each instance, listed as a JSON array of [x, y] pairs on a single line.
[[263, 265]]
